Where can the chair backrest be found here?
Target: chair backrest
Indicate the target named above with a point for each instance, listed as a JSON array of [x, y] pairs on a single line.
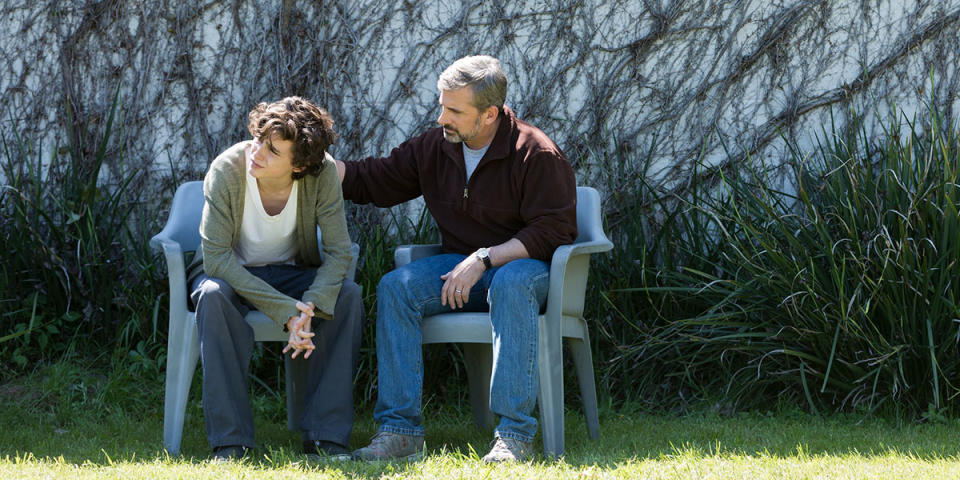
[[589, 221], [183, 224]]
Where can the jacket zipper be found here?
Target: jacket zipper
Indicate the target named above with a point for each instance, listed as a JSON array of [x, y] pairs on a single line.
[[466, 195]]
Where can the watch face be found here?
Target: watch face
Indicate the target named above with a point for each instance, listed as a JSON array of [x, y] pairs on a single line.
[[484, 255]]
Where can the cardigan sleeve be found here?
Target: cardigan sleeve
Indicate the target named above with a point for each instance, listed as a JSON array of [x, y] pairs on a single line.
[[330, 218]]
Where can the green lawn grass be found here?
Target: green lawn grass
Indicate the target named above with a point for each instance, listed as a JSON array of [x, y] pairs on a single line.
[[64, 423]]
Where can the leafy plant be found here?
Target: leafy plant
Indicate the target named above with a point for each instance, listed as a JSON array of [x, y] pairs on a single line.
[[837, 291], [75, 274]]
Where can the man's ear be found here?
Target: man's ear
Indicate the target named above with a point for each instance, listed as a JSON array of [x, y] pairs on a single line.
[[490, 114]]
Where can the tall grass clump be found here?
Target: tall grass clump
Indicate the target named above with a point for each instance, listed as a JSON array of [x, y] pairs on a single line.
[[646, 279], [836, 292], [77, 277]]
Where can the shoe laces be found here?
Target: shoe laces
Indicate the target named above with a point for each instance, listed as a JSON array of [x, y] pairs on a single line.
[[499, 445], [511, 445], [379, 440]]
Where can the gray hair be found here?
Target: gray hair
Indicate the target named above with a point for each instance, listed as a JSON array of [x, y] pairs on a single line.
[[483, 73]]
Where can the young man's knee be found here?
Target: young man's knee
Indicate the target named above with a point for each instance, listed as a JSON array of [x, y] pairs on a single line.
[[350, 302], [212, 290], [350, 293]]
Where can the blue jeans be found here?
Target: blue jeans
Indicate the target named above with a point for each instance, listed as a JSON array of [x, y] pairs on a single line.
[[513, 294]]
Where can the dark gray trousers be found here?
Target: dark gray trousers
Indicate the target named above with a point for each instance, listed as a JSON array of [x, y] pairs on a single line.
[[226, 345]]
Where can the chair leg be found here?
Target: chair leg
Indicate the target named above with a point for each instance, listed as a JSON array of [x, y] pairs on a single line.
[[583, 362], [183, 351], [296, 380], [551, 393], [479, 359]]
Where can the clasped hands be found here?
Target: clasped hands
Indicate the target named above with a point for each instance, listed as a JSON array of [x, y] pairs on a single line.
[[301, 338]]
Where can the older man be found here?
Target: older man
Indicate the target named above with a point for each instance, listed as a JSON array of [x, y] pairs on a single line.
[[504, 197]]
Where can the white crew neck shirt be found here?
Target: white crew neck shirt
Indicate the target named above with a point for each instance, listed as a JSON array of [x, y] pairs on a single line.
[[267, 239]]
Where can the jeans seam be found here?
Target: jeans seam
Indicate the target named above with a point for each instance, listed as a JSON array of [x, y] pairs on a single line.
[[529, 291], [410, 432], [514, 436], [423, 303]]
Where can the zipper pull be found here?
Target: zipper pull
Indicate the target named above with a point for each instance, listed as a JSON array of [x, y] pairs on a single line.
[[465, 193], [463, 205]]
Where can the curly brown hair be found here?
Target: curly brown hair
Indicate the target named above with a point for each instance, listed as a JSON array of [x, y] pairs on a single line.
[[307, 126]]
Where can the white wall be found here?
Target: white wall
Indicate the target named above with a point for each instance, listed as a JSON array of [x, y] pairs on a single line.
[[685, 76]]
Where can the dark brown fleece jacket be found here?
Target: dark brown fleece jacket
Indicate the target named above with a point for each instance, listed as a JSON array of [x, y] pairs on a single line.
[[523, 188]]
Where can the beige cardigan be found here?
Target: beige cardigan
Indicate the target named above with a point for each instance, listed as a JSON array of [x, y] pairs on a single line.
[[319, 204]]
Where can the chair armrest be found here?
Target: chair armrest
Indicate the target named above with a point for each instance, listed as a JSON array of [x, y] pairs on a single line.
[[564, 282], [563, 254], [162, 242], [176, 273], [172, 253], [405, 254], [580, 248]]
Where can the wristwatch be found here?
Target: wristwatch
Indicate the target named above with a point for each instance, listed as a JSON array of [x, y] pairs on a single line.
[[484, 255]]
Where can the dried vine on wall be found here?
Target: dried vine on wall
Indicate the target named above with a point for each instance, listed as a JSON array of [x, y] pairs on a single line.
[[671, 79]]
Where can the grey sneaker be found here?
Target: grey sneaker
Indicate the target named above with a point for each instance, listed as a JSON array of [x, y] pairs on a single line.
[[320, 450], [508, 450], [229, 453], [391, 446]]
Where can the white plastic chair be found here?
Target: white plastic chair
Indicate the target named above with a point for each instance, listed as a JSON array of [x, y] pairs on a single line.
[[563, 318], [182, 234]]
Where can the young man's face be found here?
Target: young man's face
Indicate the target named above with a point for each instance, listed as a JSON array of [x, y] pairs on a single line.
[[271, 159], [461, 121]]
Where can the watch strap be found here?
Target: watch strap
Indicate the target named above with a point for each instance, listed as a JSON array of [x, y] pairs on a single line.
[[484, 254]]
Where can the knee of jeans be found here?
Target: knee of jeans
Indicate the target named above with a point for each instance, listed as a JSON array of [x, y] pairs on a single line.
[[351, 292], [350, 296], [391, 285], [512, 281], [212, 290], [212, 295]]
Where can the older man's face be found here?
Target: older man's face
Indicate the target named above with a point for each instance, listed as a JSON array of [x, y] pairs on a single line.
[[461, 121]]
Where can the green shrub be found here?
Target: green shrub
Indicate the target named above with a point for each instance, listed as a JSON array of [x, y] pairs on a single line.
[[76, 275], [839, 293]]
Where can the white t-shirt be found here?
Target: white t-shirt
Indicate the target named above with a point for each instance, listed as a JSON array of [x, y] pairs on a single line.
[[266, 239]]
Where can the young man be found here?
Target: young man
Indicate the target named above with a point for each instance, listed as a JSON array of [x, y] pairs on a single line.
[[504, 197], [265, 200]]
